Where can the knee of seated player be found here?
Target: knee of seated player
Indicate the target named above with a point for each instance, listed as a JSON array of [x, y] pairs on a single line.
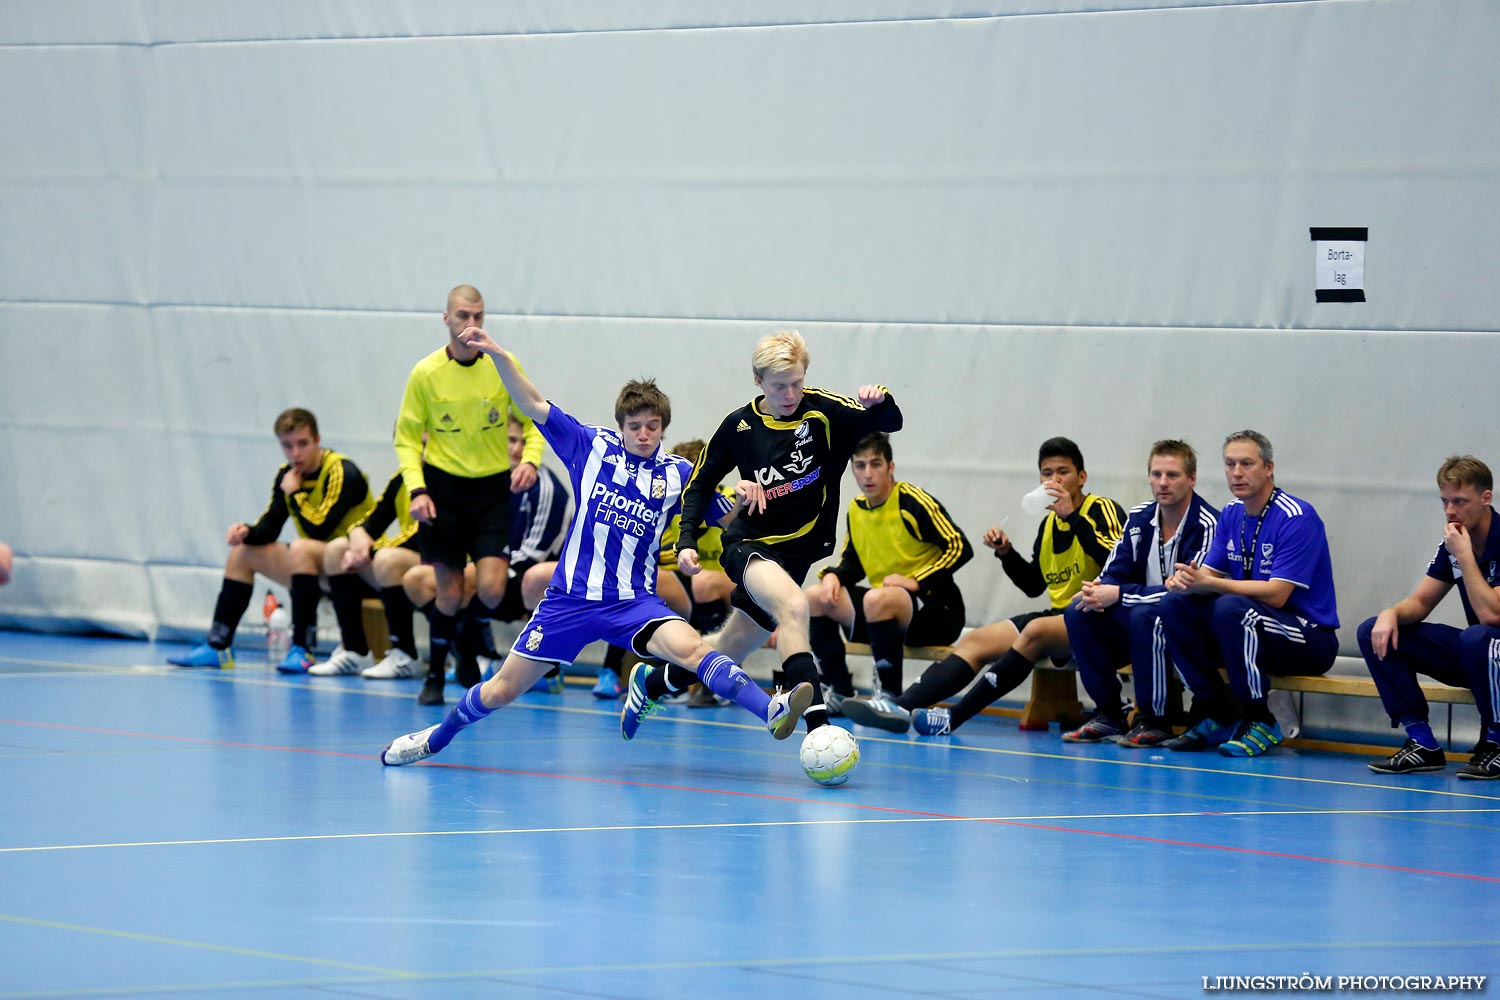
[[1043, 637], [1231, 608], [420, 584], [712, 585], [986, 643], [534, 583], [307, 555], [333, 556], [390, 566], [885, 603]]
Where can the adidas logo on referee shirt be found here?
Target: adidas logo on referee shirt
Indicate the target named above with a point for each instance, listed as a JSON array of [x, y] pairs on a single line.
[[743, 426]]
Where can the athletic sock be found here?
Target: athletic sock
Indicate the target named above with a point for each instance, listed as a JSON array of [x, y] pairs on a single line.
[[827, 641], [234, 598], [468, 711], [1422, 733], [801, 667], [886, 645], [444, 629], [725, 679], [1492, 733], [398, 619], [938, 682], [348, 592], [669, 680], [999, 679], [305, 597]]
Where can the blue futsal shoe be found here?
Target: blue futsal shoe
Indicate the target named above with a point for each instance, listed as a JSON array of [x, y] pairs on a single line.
[[1252, 740], [204, 655], [608, 685], [297, 661], [547, 684], [637, 705]]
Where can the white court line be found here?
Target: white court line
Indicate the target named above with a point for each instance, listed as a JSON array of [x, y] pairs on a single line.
[[747, 825], [341, 686]]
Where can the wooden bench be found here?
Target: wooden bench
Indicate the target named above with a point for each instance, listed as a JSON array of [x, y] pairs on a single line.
[[377, 633], [1054, 692]]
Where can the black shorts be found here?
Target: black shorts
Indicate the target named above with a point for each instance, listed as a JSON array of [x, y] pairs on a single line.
[[936, 621], [511, 608], [737, 555], [1022, 620], [473, 518]]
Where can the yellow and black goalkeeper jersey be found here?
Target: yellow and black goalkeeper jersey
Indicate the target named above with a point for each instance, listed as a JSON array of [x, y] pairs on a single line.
[[394, 505], [710, 540], [323, 508], [799, 460], [1068, 551], [464, 409], [910, 535]]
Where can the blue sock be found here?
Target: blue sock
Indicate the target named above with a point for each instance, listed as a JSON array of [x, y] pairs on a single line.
[[468, 711], [1422, 733], [725, 679], [1492, 733]]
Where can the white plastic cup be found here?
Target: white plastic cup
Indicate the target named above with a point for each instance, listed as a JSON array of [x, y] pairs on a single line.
[[1038, 500]]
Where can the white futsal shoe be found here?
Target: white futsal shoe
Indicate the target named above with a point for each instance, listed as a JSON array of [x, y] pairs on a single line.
[[396, 666], [786, 709], [407, 749], [342, 662]]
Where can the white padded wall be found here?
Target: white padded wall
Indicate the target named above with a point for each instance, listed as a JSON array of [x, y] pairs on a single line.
[[1027, 218]]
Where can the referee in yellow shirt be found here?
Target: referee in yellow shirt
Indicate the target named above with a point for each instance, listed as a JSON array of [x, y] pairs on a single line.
[[461, 484]]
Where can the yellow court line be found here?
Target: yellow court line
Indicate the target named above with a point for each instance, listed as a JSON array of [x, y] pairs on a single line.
[[746, 825], [199, 945]]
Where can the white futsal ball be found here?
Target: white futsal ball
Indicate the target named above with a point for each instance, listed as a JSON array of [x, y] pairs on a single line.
[[829, 755]]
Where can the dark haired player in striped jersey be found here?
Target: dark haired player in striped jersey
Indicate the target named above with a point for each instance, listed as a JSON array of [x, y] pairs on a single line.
[[1072, 543], [627, 488], [1261, 603], [907, 551], [1114, 620], [789, 445]]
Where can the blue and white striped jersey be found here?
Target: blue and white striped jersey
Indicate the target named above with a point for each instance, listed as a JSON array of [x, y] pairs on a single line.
[[623, 504]]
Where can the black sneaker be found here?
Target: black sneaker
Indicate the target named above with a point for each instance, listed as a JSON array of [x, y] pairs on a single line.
[[1485, 764], [432, 690], [1204, 736], [1412, 757]]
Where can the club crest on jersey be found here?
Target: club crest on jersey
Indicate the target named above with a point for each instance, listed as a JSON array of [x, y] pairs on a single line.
[[658, 488], [803, 433], [534, 639], [493, 416]]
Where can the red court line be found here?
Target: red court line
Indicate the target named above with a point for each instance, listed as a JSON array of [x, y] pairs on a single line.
[[771, 798]]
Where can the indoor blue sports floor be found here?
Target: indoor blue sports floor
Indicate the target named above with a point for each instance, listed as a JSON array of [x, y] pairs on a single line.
[[176, 833]]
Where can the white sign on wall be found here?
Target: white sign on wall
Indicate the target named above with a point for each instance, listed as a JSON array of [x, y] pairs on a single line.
[[1339, 262]]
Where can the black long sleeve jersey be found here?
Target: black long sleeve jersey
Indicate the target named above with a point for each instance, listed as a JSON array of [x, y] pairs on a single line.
[[799, 460]]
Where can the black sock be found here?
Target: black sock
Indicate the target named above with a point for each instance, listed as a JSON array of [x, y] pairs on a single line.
[[614, 659], [444, 630], [801, 667], [474, 636], [828, 649], [999, 679], [348, 592], [1259, 711], [234, 598], [305, 597], [398, 619], [938, 682], [885, 644]]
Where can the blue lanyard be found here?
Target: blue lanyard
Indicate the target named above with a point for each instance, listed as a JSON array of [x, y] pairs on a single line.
[[1247, 555]]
